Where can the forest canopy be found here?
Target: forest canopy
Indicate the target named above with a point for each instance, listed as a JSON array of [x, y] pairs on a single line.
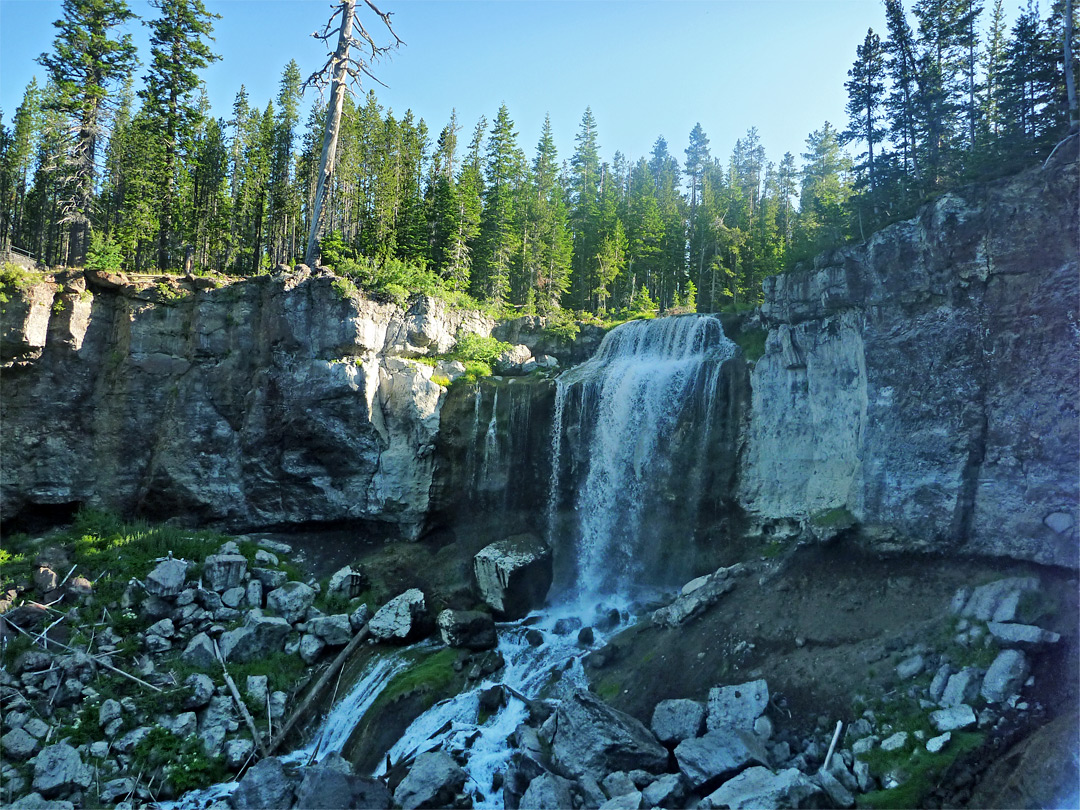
[[94, 174]]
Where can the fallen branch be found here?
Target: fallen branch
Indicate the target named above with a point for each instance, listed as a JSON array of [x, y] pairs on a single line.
[[98, 658], [832, 745], [69, 573], [320, 684], [240, 703]]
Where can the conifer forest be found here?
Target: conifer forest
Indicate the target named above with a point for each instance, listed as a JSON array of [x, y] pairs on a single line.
[[95, 174]]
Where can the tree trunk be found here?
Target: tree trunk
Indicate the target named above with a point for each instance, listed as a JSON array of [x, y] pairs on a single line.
[[333, 124]]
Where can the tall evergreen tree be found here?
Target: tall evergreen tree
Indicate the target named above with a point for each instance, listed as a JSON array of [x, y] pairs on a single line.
[[178, 50], [88, 59], [503, 164], [585, 209]]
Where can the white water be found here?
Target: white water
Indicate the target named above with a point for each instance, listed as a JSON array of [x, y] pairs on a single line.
[[633, 392]]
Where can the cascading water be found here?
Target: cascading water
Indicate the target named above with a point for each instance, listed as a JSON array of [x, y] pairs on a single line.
[[614, 418], [623, 407]]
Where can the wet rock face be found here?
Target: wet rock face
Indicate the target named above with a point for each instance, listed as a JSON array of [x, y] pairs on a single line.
[[925, 381], [514, 575], [272, 400]]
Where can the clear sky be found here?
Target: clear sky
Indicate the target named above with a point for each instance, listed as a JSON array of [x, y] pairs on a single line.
[[646, 68]]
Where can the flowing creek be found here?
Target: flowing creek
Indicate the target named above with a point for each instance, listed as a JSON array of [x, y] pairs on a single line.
[[625, 402]]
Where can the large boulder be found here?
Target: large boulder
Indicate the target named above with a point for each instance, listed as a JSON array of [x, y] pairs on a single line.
[[759, 787], [58, 769], [329, 787], [167, 578], [707, 761], [335, 630], [265, 786], [737, 706], [696, 597], [224, 571], [401, 618], [1024, 636], [256, 638], [676, 720], [514, 574], [1005, 676], [547, 792], [595, 739], [434, 780], [291, 600], [347, 583], [997, 601], [471, 629]]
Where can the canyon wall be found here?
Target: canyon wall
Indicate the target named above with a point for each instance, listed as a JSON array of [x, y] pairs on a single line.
[[925, 382], [922, 385], [272, 401]]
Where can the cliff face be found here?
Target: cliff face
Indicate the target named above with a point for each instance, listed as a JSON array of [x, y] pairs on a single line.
[[270, 401], [926, 381], [923, 384]]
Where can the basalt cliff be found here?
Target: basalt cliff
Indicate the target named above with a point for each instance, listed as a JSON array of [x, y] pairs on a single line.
[[919, 389]]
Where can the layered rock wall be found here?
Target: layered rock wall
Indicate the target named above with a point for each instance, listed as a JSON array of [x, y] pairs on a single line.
[[276, 400], [926, 381]]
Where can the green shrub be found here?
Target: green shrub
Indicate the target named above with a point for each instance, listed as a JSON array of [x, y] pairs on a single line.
[[104, 253], [440, 379], [472, 348], [831, 517], [16, 279]]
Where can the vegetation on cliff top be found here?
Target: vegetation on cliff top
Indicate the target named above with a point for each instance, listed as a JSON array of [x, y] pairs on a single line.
[[945, 95]]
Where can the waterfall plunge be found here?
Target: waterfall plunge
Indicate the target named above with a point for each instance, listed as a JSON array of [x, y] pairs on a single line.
[[622, 408]]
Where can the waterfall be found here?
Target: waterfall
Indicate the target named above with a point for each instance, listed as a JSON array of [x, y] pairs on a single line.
[[627, 402]]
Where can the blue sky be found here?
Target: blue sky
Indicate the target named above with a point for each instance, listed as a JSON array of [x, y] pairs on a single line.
[[646, 68]]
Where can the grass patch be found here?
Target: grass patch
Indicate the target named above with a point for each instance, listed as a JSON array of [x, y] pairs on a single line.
[[752, 343], [608, 689], [431, 676], [183, 761], [772, 549], [440, 379], [923, 770], [282, 671]]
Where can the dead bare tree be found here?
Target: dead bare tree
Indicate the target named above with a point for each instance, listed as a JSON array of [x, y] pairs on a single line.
[[349, 61]]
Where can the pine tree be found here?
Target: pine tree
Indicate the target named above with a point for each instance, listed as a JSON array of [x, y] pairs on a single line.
[[584, 211], [178, 50], [547, 243], [87, 60], [16, 164], [284, 200], [442, 195], [503, 165], [825, 189]]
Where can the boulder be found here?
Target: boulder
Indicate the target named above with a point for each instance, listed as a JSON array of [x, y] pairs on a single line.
[[433, 781], [255, 688], [894, 742], [513, 359], [18, 745], [759, 787], [311, 648], [839, 795], [676, 720], [234, 597], [291, 601], [237, 753], [707, 761], [547, 792], [625, 801], [214, 723], [347, 583], [1024, 636], [199, 652], [595, 739], [953, 718], [401, 618], [667, 791], [35, 801], [256, 638], [325, 787], [116, 789], [1005, 676], [936, 744], [335, 630], [910, 667], [962, 687], [514, 574], [167, 578], [253, 593], [224, 571], [737, 706], [471, 629], [997, 601], [58, 769], [199, 691], [265, 786]]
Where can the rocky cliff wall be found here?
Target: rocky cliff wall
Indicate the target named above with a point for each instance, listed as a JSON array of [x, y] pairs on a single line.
[[275, 400], [926, 381]]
